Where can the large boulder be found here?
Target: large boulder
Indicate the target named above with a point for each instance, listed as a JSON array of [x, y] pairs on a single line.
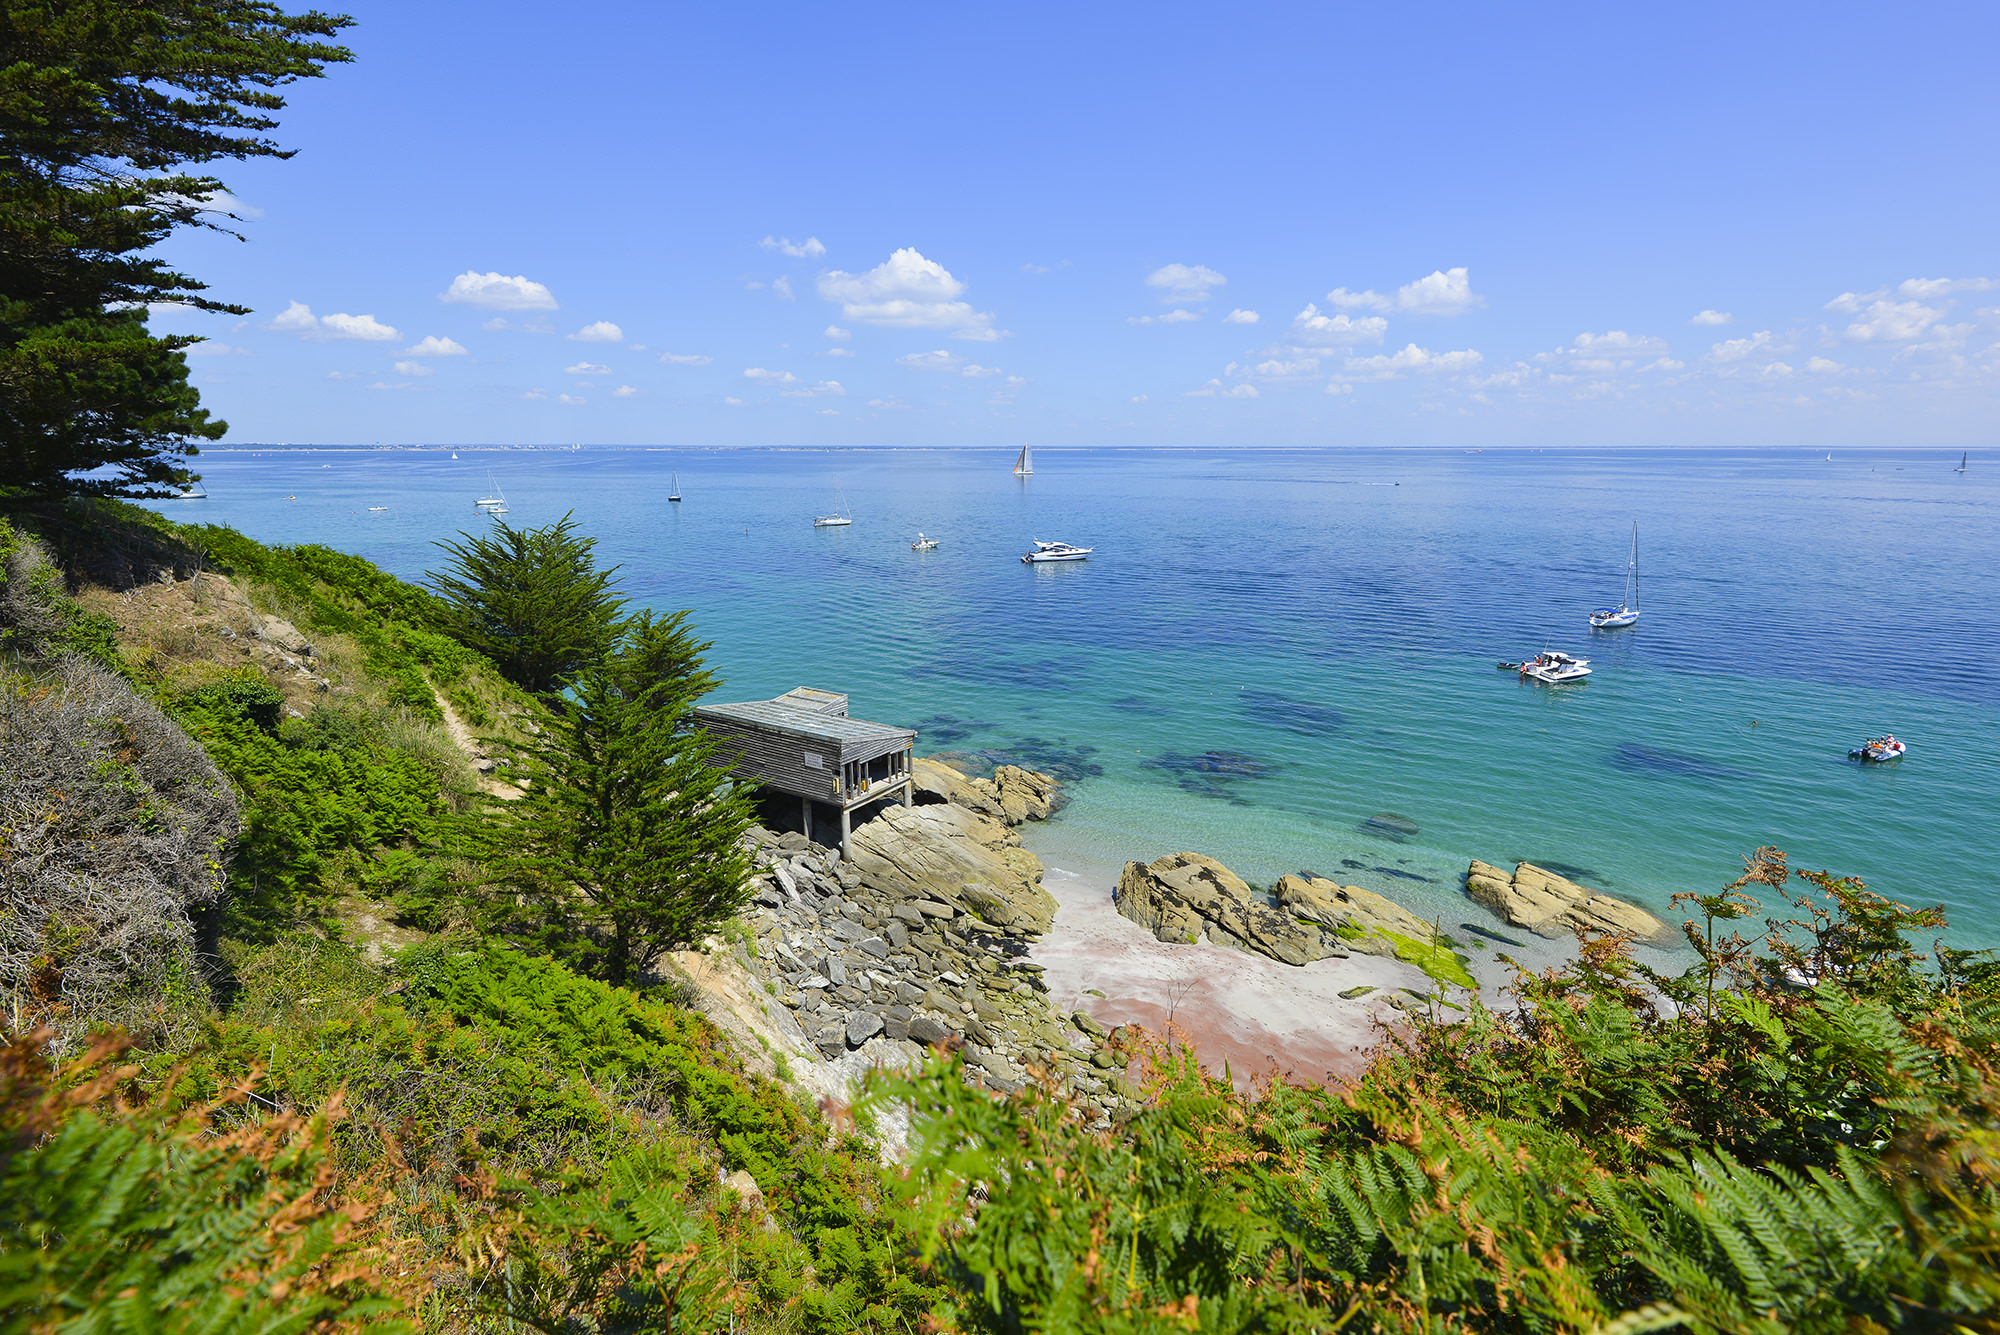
[[946, 853], [1555, 906], [1182, 896], [1361, 918], [1011, 796]]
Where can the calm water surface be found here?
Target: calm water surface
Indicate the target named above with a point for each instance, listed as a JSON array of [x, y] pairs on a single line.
[[1286, 659]]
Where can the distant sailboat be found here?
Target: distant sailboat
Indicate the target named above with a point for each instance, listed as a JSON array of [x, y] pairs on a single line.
[[1025, 465], [1627, 612], [1963, 459], [194, 491], [841, 516], [494, 502], [454, 454], [675, 494]]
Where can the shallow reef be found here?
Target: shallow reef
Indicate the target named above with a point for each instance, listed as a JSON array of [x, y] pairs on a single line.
[[1643, 759], [1304, 717], [1211, 773]]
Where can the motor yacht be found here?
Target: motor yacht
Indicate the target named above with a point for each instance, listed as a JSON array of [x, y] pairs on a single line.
[[1056, 551], [924, 544], [1555, 669]]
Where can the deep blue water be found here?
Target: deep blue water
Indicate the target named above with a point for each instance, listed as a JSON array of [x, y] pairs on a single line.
[[1286, 658]]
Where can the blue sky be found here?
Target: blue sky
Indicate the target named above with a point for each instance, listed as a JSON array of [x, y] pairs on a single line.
[[1285, 225]]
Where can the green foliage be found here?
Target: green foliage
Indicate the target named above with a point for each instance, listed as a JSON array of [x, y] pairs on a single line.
[[103, 103], [119, 1218], [1818, 1150], [627, 842], [313, 788], [38, 620], [533, 601]]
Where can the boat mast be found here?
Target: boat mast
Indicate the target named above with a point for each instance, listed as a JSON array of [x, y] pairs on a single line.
[[1632, 571]]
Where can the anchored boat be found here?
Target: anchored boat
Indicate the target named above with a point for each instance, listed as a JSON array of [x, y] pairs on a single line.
[[1627, 612], [1878, 749], [1025, 465], [1056, 551], [1554, 669]]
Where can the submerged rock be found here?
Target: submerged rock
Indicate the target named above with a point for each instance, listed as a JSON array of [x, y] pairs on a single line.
[[1554, 906]]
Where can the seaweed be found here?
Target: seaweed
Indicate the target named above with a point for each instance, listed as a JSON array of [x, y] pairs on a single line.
[[1064, 763], [945, 729], [1211, 773], [1643, 759], [1136, 704], [1389, 825], [1300, 716]]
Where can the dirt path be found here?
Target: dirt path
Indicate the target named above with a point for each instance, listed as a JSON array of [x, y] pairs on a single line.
[[482, 764]]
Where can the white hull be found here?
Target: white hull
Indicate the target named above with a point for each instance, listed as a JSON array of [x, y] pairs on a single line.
[[832, 521], [1037, 558], [1613, 620], [1555, 676]]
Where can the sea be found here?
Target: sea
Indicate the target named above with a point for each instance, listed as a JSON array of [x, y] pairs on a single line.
[[1286, 659]]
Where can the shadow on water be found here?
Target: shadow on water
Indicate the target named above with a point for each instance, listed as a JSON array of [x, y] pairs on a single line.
[[1064, 763], [1135, 704], [1642, 759], [944, 729], [1388, 825], [1303, 717], [1212, 773]]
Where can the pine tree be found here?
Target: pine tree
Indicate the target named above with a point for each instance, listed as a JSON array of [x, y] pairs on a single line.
[[103, 104], [533, 601]]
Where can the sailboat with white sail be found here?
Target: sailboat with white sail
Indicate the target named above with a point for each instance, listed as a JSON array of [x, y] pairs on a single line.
[[494, 502], [1627, 612], [1963, 460], [675, 494], [1025, 465]]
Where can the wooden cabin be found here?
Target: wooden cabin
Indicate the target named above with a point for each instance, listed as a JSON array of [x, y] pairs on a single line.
[[803, 743]]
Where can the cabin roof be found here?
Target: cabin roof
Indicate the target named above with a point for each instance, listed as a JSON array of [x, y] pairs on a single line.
[[782, 717]]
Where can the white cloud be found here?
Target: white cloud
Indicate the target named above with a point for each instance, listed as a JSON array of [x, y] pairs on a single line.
[[808, 249], [1342, 387], [732, 401], [1614, 350], [820, 390], [839, 335], [1443, 292], [535, 394], [1736, 349], [893, 404], [433, 346], [907, 291], [1215, 389], [975, 371], [1664, 364], [623, 392], [412, 368], [1316, 330], [497, 292], [1241, 316], [931, 361], [1711, 318], [1893, 321], [379, 385], [684, 359], [1821, 366], [783, 287], [586, 368], [829, 412], [343, 375], [838, 352], [1930, 289], [1299, 369], [296, 318], [1184, 282], [1138, 398], [215, 201], [764, 377], [211, 348], [1395, 365], [536, 325], [1171, 317], [573, 402], [603, 331]]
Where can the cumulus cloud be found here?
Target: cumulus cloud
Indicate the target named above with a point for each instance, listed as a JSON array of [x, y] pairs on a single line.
[[1241, 316], [1443, 292], [366, 328], [1138, 398], [1184, 282], [1930, 289], [1215, 389], [1317, 330], [764, 377], [1171, 317], [296, 318], [573, 402], [1889, 321], [907, 291], [498, 292], [603, 331], [433, 346], [1614, 350], [783, 287], [1412, 360], [211, 348], [624, 392], [533, 325], [838, 352], [586, 368], [685, 359], [893, 404], [839, 335], [732, 401], [1711, 318], [975, 371], [535, 394], [412, 368], [1298, 368], [1822, 366], [808, 249], [1738, 349], [828, 412], [819, 390], [931, 361]]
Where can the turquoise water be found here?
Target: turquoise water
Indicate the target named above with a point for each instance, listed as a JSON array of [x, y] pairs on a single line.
[[1268, 649]]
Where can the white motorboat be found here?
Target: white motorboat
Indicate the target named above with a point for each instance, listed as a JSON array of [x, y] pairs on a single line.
[[1025, 465], [924, 544], [1555, 669], [494, 502], [1056, 551], [1627, 612], [1879, 749]]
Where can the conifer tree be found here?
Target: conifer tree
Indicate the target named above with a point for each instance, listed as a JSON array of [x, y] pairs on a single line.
[[104, 106], [626, 840], [533, 601]]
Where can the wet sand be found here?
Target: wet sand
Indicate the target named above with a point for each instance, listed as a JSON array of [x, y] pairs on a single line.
[[1252, 1013]]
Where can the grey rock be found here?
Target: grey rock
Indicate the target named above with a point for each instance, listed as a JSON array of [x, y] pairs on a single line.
[[893, 1027], [923, 1029], [898, 934], [831, 1040], [862, 1026], [875, 946], [846, 929]]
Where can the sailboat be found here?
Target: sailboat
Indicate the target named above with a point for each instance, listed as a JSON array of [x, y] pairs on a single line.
[[675, 494], [1025, 465], [194, 491], [1627, 612], [841, 516], [1963, 459], [493, 502]]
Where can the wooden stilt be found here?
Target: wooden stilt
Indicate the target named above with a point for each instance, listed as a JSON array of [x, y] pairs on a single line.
[[844, 830], [806, 816]]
